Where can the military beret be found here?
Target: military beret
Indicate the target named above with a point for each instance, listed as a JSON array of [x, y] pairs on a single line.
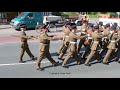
[[90, 25], [107, 25], [96, 27], [73, 27], [73, 24], [113, 27], [84, 21], [116, 24], [100, 23], [43, 26], [67, 23]]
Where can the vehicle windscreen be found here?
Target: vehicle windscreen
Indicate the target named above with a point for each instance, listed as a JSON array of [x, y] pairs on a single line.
[[21, 15]]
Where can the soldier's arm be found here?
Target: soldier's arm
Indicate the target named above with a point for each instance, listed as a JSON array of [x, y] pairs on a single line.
[[46, 37], [117, 37], [24, 36], [100, 35], [80, 37]]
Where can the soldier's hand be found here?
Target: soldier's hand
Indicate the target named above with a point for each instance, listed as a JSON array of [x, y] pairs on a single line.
[[29, 37]]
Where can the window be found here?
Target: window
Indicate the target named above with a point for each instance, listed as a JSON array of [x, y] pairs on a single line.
[[30, 16], [37, 15], [21, 15]]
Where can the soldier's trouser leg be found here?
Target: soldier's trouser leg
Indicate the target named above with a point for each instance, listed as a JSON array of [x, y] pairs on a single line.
[[75, 54], [79, 46], [63, 51], [67, 58], [97, 55], [114, 54], [22, 53], [29, 52], [87, 50], [100, 44], [40, 57], [90, 56], [107, 56], [102, 51], [48, 56], [61, 47]]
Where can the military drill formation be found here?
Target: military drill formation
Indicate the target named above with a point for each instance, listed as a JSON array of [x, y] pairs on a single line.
[[91, 37]]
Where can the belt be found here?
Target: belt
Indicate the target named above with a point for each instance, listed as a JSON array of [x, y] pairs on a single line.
[[83, 32], [89, 37], [73, 42], [112, 41], [83, 29], [66, 36], [105, 37], [102, 32], [96, 41]]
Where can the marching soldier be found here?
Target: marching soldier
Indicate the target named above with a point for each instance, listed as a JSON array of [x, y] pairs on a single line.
[[118, 44], [88, 41], [105, 39], [44, 48], [83, 32], [112, 45], [24, 45], [73, 47], [65, 44], [96, 35]]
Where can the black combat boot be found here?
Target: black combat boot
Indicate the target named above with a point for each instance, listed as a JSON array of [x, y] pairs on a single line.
[[39, 68], [60, 58], [65, 66], [88, 64], [105, 63], [56, 64], [33, 58], [21, 61]]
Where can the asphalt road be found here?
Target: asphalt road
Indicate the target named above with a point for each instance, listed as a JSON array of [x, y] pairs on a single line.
[[11, 68]]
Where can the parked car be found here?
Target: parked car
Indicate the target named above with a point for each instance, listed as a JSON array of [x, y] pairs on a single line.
[[29, 19]]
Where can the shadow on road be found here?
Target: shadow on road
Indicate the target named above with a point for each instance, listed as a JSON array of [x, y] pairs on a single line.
[[52, 65]]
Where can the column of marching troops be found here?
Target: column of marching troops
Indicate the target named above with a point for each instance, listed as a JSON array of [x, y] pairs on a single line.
[[91, 37]]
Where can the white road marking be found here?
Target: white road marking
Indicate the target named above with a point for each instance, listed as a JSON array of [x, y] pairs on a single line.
[[11, 64]]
